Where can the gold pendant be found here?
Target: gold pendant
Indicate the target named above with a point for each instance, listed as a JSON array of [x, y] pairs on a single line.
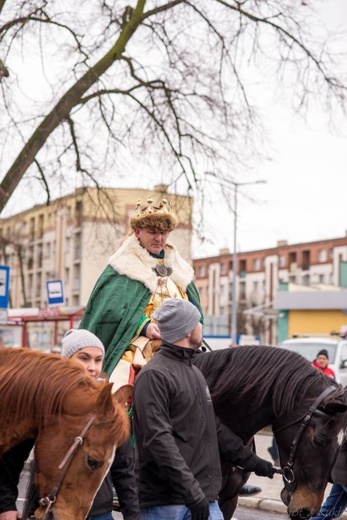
[[162, 270]]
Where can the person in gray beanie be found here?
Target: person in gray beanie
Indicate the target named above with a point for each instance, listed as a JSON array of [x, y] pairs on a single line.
[[175, 434], [176, 318], [77, 339], [178, 439]]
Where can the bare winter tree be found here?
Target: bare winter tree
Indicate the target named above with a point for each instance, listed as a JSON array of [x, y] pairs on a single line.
[[93, 87]]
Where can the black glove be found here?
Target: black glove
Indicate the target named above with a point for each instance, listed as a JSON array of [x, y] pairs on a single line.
[[264, 468], [201, 511]]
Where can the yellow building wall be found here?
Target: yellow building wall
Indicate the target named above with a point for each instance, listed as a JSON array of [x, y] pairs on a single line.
[[315, 322]]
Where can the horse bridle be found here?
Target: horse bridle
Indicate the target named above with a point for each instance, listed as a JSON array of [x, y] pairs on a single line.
[[287, 472], [49, 499]]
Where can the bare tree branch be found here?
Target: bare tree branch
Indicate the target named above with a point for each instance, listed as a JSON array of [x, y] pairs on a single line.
[[168, 84]]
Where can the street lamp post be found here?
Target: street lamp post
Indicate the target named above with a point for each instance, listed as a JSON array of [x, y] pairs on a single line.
[[234, 293]]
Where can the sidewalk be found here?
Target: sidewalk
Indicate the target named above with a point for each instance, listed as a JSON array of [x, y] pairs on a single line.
[[270, 497]]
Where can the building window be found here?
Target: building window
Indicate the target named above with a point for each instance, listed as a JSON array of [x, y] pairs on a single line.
[[321, 278], [243, 266], [306, 280], [282, 261], [77, 249], [32, 230], [47, 250], [40, 226], [79, 213], [223, 269], [201, 271], [39, 255], [255, 286], [256, 264], [242, 295], [292, 258], [322, 255]]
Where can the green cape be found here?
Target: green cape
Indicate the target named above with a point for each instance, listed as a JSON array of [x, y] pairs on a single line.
[[114, 311]]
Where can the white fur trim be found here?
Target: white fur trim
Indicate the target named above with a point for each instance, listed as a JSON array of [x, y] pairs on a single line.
[[134, 261]]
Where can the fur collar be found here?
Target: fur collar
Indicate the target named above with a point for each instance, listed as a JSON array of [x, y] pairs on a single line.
[[133, 261]]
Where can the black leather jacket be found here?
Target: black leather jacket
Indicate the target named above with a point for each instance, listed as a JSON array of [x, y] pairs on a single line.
[[175, 431]]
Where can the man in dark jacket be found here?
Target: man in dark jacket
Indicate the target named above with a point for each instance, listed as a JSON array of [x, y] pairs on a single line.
[[177, 439]]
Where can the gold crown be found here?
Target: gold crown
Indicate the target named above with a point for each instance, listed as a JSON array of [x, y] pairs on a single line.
[[154, 217], [164, 207]]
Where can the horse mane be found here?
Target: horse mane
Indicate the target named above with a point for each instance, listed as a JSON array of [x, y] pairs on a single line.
[[252, 373], [38, 382]]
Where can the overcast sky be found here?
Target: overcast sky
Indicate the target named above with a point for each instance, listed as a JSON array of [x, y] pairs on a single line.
[[304, 199], [305, 195]]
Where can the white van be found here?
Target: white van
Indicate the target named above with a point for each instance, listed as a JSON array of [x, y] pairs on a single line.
[[310, 346]]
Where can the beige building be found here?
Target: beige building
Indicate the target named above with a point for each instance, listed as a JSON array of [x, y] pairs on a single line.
[[72, 238]]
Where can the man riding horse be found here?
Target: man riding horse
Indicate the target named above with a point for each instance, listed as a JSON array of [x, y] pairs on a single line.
[[142, 274]]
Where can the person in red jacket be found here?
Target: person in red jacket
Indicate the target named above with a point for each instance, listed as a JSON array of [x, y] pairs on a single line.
[[321, 363]]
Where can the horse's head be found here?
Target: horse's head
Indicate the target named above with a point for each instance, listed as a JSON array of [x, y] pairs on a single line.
[[74, 454], [308, 447]]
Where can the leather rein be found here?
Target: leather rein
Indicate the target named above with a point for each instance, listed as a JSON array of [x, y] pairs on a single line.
[[49, 499], [287, 472]]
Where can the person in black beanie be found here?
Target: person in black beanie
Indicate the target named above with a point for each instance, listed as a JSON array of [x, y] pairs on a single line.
[[322, 363], [177, 436]]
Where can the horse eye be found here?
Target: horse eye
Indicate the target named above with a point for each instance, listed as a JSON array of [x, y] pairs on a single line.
[[92, 463], [319, 442]]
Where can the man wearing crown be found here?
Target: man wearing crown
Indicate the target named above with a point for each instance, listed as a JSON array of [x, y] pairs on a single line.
[[143, 272]]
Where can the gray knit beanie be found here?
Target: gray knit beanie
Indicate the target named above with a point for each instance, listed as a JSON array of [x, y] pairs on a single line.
[[76, 339], [176, 318]]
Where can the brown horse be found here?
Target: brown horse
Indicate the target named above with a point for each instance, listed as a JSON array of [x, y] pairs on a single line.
[[77, 423], [253, 387]]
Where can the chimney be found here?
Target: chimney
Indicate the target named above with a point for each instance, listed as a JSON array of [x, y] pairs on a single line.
[[161, 188], [224, 251], [282, 243]]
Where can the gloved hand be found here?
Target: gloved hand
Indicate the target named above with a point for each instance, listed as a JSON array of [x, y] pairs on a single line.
[[264, 468], [201, 510]]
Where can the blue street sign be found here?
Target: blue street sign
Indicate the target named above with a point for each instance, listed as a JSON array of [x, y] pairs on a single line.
[[4, 285], [55, 292]]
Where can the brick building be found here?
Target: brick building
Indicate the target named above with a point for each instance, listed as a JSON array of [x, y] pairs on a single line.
[[318, 265]]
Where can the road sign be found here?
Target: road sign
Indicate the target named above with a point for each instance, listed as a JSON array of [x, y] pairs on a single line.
[[55, 292], [4, 285]]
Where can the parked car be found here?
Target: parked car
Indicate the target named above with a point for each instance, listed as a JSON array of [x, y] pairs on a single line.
[[310, 346]]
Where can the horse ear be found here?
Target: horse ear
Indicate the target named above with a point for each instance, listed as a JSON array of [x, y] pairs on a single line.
[[124, 394], [105, 401], [335, 407]]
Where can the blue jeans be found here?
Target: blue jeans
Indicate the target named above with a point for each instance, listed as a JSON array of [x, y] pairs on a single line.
[[104, 516], [177, 512], [334, 505]]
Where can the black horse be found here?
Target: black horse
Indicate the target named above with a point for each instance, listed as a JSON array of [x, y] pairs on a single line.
[[256, 386]]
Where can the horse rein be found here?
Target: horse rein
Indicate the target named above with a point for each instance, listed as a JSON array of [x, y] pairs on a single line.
[[49, 499], [287, 472]]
